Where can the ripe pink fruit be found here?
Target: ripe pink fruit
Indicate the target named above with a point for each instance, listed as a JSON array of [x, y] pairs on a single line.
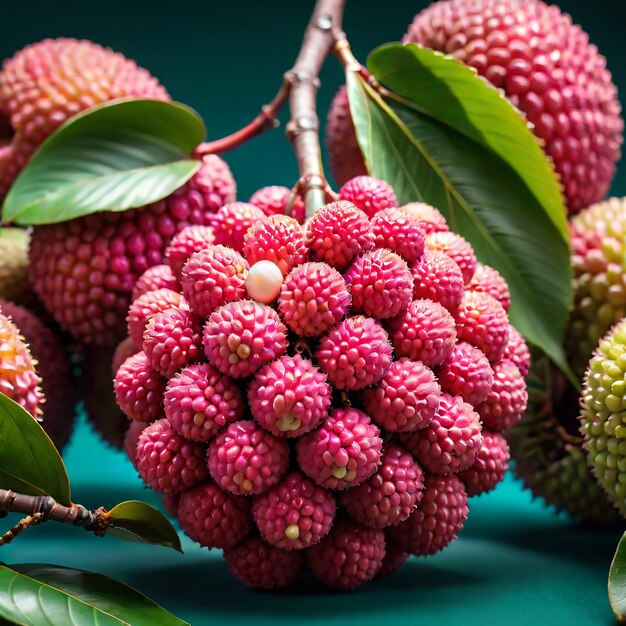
[[437, 520], [242, 336], [369, 194], [457, 248], [517, 351], [289, 396], [451, 440], [212, 277], [407, 397], [338, 233], [548, 69], [490, 465], [168, 463], [155, 277], [424, 332], [295, 514], [246, 460], [213, 518], [431, 219], [131, 439], [142, 309], [398, 231], [199, 401], [189, 240], [124, 350], [395, 558], [139, 389], [355, 353], [232, 221], [273, 200], [261, 566], [380, 284], [313, 298], [349, 556], [488, 280], [343, 451], [390, 495], [437, 277]]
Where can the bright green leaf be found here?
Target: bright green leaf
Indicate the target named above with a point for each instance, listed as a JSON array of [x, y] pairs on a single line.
[[482, 198], [138, 521], [29, 462], [117, 156], [41, 595], [449, 91], [617, 581]]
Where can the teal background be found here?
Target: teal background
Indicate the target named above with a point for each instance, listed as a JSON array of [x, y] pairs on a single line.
[[516, 563]]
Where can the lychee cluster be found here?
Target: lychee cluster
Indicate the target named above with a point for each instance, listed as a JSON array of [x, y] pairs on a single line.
[[317, 393]]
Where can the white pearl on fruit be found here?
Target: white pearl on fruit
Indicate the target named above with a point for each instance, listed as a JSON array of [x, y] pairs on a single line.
[[264, 281]]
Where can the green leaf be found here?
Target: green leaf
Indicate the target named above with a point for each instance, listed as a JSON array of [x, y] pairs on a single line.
[[138, 521], [29, 462], [41, 595], [482, 198], [117, 156], [617, 581], [451, 92]]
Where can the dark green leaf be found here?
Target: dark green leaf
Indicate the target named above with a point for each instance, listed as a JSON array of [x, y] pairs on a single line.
[[617, 581], [482, 198], [114, 157], [29, 462], [138, 521], [451, 92], [41, 595]]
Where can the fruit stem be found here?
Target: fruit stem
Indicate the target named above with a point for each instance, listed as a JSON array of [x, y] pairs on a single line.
[[323, 31], [40, 509], [265, 120]]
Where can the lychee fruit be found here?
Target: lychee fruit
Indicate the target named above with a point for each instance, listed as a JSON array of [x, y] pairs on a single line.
[[142, 309], [154, 278], [369, 194], [436, 276], [189, 240], [517, 351], [399, 232], [431, 219], [457, 248], [232, 221], [488, 469], [489, 280], [273, 200]]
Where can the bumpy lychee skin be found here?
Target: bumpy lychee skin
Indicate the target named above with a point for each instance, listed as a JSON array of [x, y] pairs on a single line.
[[391, 494], [432, 219], [488, 469], [18, 379], [369, 194], [338, 233], [407, 397], [343, 452], [232, 221], [603, 403], [437, 520], [189, 240], [170, 504], [598, 239], [14, 285], [424, 332], [199, 401], [246, 460], [295, 514], [398, 231], [124, 350], [142, 309], [507, 399], [457, 248], [313, 298], [154, 278], [466, 373], [212, 277], [279, 239], [548, 69], [380, 283], [355, 353], [481, 321], [131, 439], [346, 159], [214, 518], [395, 558], [349, 556], [167, 462], [84, 270], [273, 200], [517, 351], [489, 280], [240, 337], [259, 565], [171, 341], [54, 368], [451, 441], [44, 84], [289, 396], [139, 389], [436, 276]]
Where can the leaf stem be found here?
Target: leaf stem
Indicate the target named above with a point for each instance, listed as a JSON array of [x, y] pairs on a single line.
[[24, 524]]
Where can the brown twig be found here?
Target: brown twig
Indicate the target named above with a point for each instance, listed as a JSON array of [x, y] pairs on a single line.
[[46, 508], [265, 120], [303, 128], [24, 524]]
